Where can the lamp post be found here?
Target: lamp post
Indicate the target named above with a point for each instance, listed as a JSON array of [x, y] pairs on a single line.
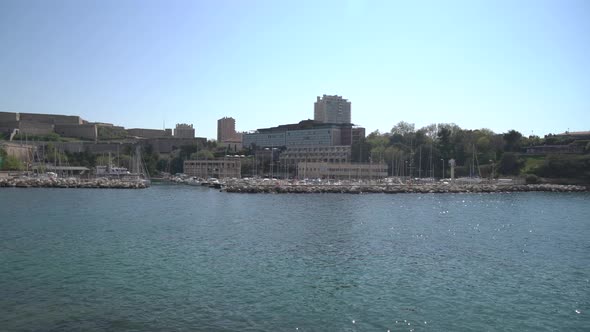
[[443, 168]]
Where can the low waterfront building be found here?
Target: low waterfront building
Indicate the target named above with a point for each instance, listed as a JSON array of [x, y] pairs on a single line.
[[217, 168], [341, 170], [328, 154]]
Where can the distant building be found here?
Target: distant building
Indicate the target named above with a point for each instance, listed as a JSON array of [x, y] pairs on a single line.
[[331, 109], [231, 146], [264, 139], [35, 124], [149, 133], [329, 154], [218, 168], [341, 170], [358, 133], [166, 145], [576, 134], [184, 130], [226, 129], [549, 149], [304, 133], [85, 131], [23, 152], [54, 119]]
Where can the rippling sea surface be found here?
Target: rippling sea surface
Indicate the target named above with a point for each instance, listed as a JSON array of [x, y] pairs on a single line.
[[176, 258]]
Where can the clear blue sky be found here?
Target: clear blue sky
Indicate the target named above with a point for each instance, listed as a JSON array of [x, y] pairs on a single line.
[[501, 65]]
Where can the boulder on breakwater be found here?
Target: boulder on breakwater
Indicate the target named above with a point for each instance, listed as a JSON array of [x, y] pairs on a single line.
[[399, 188], [49, 182]]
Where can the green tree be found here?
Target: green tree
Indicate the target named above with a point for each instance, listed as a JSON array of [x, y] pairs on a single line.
[[444, 142], [3, 155], [202, 155], [512, 140], [510, 164], [11, 163], [403, 128]]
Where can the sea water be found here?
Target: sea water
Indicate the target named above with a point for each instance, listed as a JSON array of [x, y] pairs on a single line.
[[180, 258]]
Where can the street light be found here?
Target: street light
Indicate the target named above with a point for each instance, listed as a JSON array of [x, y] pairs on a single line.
[[443, 168]]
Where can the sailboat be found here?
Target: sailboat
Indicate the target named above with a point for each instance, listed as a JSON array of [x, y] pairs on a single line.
[[138, 171]]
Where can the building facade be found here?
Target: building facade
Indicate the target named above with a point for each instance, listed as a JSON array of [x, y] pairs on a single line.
[[314, 137], [304, 133], [226, 129], [219, 168], [341, 170], [149, 133], [231, 146], [264, 140], [332, 109], [85, 131], [313, 154], [184, 130]]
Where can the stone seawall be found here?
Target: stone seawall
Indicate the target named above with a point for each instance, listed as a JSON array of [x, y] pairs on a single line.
[[72, 183], [398, 189]]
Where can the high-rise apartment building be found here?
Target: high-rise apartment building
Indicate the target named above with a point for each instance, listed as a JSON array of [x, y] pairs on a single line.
[[226, 129], [331, 109]]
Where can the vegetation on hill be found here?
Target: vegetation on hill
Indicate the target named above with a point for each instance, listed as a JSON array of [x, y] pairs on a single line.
[[480, 152]]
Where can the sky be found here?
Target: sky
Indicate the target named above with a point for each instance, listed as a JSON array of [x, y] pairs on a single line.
[[495, 64]]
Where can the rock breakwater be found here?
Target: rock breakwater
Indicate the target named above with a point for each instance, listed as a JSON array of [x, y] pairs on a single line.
[[398, 188], [37, 182]]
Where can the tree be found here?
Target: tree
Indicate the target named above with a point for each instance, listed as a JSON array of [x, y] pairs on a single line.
[[2, 156], [403, 128], [444, 142], [512, 141], [11, 163], [510, 164], [375, 139], [204, 155]]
